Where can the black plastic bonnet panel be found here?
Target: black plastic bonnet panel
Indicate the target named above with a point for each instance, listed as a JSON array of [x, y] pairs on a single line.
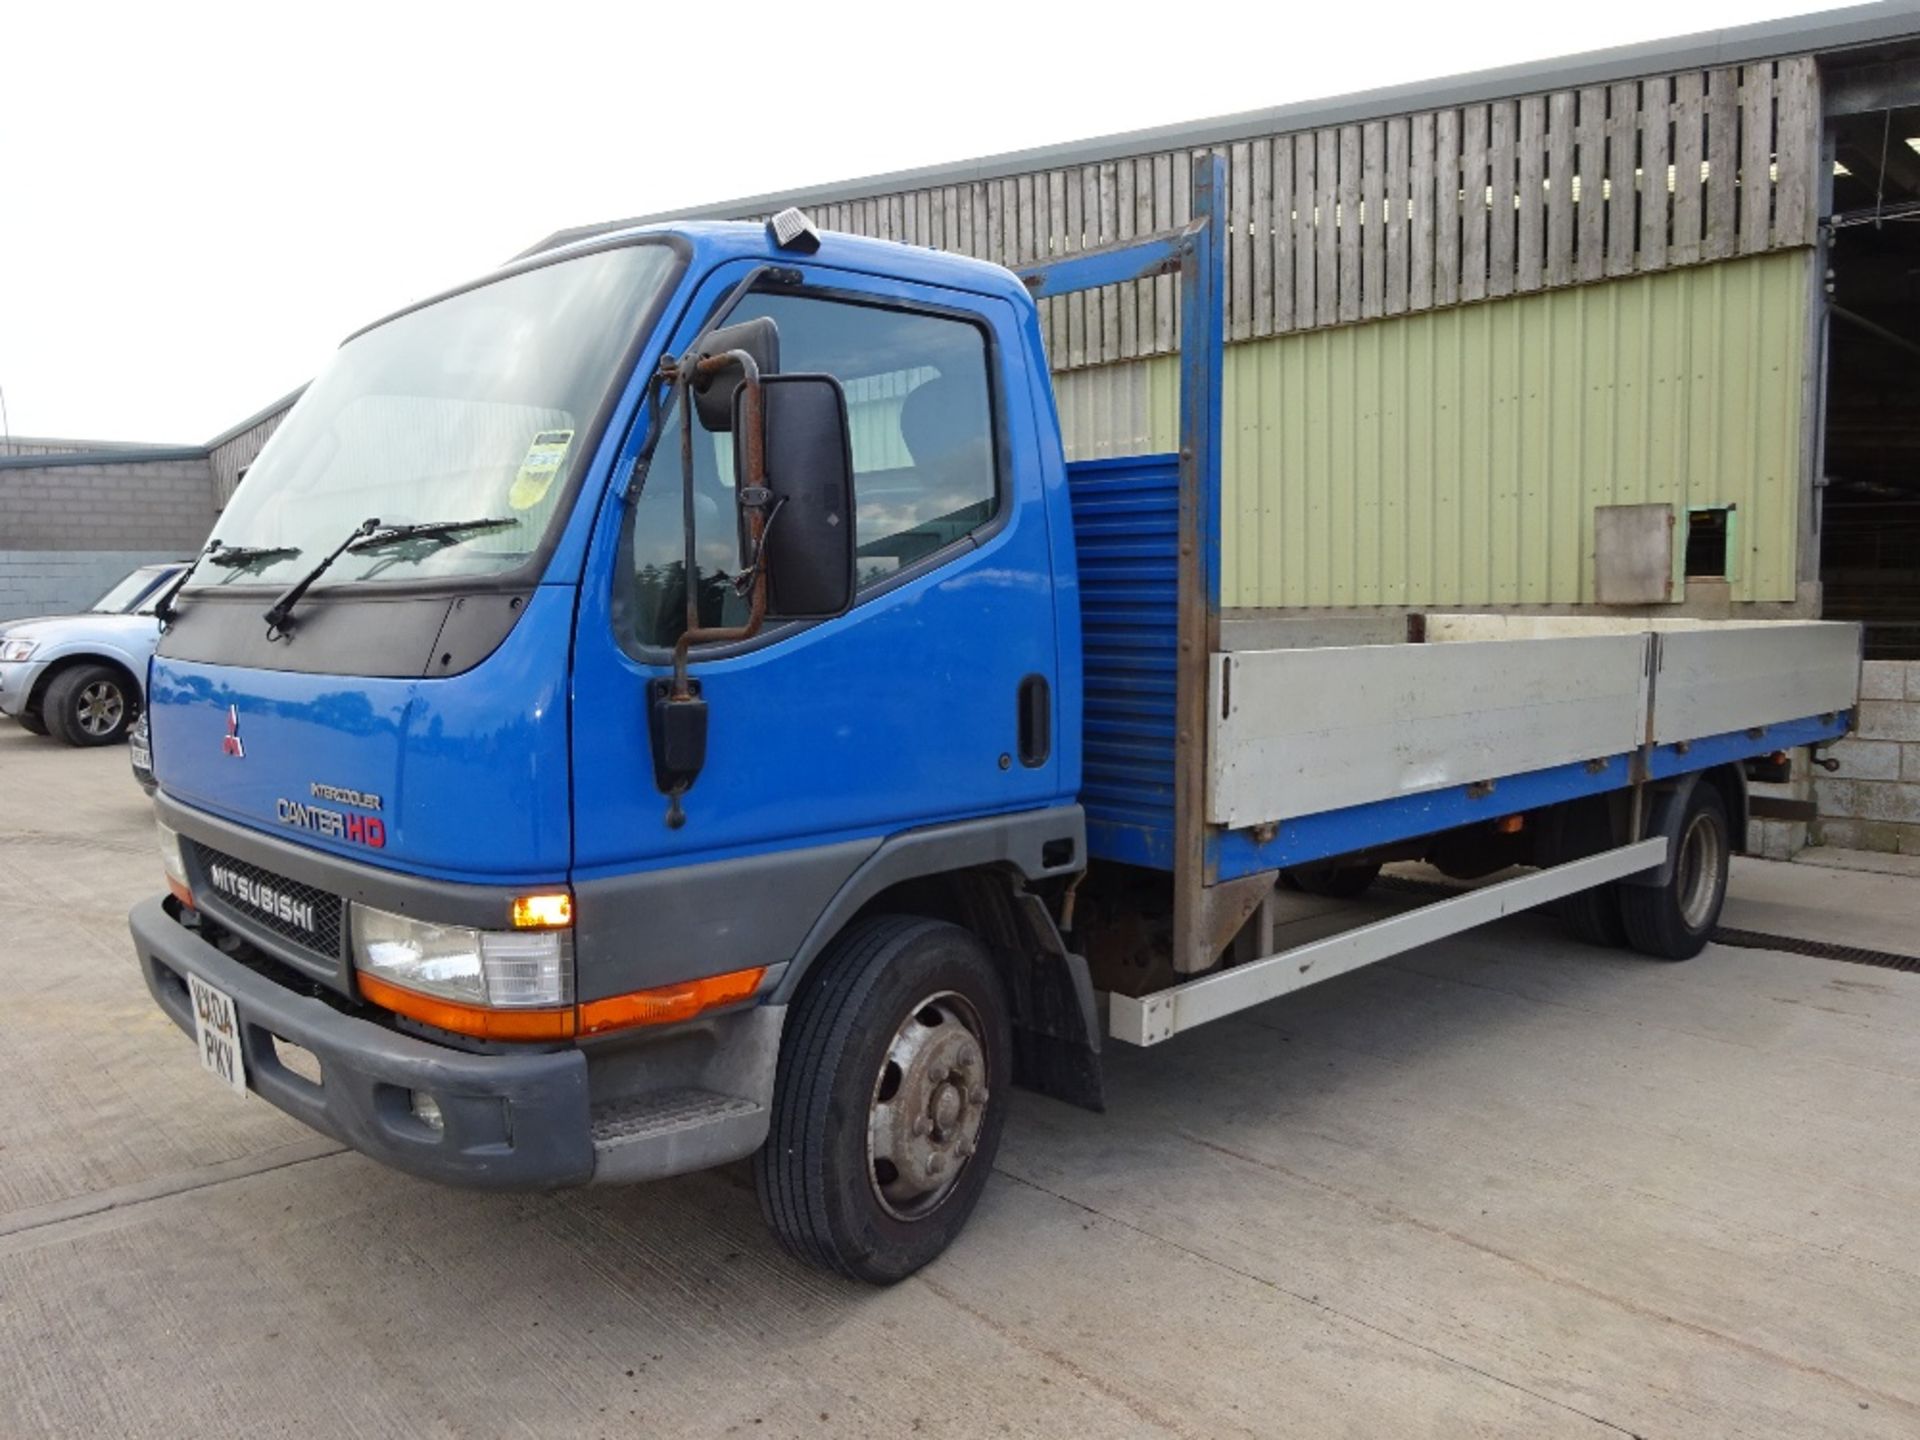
[[399, 636]]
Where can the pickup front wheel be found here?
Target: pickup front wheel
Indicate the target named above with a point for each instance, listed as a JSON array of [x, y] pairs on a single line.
[[88, 705], [889, 1101]]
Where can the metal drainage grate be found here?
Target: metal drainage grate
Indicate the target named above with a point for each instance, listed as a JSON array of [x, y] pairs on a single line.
[[1818, 949]]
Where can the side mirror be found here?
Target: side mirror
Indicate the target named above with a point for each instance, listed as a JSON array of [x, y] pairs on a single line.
[[808, 551], [713, 397]]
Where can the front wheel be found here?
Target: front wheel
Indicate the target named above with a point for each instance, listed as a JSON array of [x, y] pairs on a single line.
[[31, 723], [88, 705], [889, 1101], [1674, 920]]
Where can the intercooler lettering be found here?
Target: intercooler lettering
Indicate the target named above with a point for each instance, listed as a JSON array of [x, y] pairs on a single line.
[[367, 830], [365, 799], [275, 904]]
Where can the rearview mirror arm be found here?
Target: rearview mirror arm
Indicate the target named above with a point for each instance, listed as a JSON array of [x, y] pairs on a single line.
[[753, 497]]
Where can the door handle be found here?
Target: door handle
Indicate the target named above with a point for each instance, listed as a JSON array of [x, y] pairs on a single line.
[[1036, 721]]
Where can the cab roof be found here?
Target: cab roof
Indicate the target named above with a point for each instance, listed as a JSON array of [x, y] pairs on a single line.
[[718, 240], [711, 242]]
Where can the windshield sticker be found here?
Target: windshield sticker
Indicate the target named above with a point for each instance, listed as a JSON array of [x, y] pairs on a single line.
[[537, 471]]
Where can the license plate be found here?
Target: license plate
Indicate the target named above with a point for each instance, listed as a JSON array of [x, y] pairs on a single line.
[[216, 1034]]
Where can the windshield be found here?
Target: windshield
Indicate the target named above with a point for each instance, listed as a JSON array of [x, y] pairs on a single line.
[[128, 593], [474, 406]]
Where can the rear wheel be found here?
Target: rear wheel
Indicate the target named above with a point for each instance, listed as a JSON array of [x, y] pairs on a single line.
[[1594, 916], [1573, 831], [88, 705], [889, 1101], [1674, 920], [1336, 882]]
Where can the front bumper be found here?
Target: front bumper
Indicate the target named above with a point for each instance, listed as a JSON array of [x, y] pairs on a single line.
[[690, 1097], [512, 1121], [17, 679]]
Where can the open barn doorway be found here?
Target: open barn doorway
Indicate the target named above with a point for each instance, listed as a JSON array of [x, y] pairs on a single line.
[[1870, 504]]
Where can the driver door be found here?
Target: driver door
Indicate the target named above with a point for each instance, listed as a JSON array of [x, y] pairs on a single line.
[[906, 711]]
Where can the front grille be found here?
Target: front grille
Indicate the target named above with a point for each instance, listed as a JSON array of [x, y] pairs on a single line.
[[247, 889]]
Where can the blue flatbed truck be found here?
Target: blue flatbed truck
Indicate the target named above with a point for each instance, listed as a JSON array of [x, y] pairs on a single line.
[[671, 701]]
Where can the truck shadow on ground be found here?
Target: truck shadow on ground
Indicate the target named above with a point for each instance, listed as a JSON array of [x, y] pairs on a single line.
[[696, 1245]]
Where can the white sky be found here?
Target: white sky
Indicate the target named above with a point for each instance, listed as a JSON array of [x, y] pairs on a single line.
[[197, 202]]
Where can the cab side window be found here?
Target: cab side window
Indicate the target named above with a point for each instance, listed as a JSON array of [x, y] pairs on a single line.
[[924, 458]]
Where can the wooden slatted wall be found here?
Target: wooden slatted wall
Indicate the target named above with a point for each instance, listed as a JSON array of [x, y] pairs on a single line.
[[1413, 212]]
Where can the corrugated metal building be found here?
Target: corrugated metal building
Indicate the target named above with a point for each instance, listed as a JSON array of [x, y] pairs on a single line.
[[1469, 318]]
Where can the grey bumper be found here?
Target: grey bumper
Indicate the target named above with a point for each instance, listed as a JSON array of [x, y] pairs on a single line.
[[17, 679], [512, 1122]]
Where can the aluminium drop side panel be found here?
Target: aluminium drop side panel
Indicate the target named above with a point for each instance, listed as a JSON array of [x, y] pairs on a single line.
[[1299, 732], [1715, 680]]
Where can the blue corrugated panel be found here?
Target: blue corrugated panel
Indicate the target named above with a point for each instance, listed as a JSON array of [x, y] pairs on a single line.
[[1126, 522]]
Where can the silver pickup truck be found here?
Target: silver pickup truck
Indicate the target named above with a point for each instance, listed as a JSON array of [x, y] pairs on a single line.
[[82, 678]]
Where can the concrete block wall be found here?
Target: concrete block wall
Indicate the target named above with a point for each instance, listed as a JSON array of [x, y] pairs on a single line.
[[1872, 802], [107, 505], [73, 525], [1782, 839], [58, 582]]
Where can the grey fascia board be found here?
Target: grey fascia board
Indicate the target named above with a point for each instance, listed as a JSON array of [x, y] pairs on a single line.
[[81, 447], [102, 457], [1818, 33], [118, 452]]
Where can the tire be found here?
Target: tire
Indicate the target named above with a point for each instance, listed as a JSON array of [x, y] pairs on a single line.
[[1673, 921], [1575, 830], [1336, 882], [31, 723], [872, 1102], [88, 705], [1594, 916]]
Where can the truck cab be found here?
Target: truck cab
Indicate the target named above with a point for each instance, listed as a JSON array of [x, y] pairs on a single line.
[[416, 822]]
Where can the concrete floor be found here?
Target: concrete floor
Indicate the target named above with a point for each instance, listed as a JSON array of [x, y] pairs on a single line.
[[1507, 1186]]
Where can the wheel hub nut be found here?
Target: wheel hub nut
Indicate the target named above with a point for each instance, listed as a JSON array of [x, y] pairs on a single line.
[[928, 1106], [946, 1108]]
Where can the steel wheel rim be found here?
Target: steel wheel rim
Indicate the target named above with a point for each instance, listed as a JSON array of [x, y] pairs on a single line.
[[1699, 878], [101, 707], [927, 1106]]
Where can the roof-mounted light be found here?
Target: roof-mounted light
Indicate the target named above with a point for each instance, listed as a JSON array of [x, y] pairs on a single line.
[[792, 230]]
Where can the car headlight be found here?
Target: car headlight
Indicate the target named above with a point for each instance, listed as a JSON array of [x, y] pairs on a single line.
[[521, 969], [18, 649], [174, 863]]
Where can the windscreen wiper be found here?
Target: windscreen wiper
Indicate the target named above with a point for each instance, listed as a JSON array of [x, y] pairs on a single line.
[[447, 532], [241, 557], [279, 617], [234, 557], [163, 610]]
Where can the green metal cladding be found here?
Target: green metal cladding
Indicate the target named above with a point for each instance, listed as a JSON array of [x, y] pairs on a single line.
[[1455, 457]]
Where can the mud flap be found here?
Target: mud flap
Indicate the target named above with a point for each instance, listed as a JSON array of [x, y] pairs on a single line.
[[1056, 1025]]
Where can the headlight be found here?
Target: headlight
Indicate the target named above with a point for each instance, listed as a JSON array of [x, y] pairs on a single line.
[[18, 649], [492, 969], [174, 863]]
